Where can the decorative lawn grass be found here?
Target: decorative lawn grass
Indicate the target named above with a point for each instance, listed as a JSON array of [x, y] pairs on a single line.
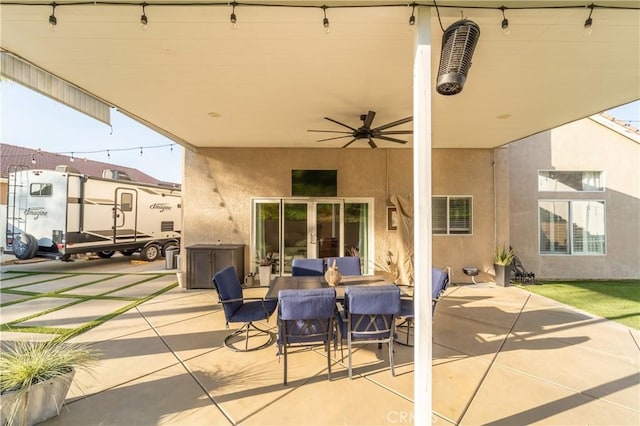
[[617, 300]]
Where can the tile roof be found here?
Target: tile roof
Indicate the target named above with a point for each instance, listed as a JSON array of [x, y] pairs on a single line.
[[11, 155]]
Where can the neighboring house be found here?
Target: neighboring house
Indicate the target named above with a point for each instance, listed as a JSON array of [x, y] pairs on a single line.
[[481, 198], [574, 200], [12, 156]]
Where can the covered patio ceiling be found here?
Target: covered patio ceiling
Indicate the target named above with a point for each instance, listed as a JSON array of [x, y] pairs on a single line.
[[264, 83]]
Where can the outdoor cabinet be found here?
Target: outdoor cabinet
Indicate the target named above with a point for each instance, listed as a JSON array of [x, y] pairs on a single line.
[[204, 260]]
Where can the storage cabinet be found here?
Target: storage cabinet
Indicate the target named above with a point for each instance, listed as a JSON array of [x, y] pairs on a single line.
[[204, 260]]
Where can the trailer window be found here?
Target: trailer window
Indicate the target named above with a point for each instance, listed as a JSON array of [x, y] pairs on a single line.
[[126, 202], [41, 189]]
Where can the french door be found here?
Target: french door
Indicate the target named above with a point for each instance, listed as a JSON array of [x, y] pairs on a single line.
[[288, 228]]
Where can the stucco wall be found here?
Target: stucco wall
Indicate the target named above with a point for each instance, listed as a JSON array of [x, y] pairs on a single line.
[[582, 145], [219, 183]]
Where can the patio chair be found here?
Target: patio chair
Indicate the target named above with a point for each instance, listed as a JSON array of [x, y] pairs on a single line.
[[307, 267], [305, 317], [369, 317], [348, 265], [239, 309], [439, 283]]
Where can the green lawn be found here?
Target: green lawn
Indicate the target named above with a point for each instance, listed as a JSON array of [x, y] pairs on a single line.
[[616, 300]]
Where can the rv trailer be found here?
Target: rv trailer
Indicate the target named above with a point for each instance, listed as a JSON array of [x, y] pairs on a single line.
[[57, 213]]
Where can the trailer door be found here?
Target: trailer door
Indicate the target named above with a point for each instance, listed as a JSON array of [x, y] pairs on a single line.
[[125, 215]]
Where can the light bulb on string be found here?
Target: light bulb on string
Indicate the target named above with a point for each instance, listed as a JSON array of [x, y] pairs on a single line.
[[140, 151], [144, 21], [233, 18], [33, 159], [108, 154], [325, 20], [72, 159], [505, 23], [412, 18], [53, 21], [588, 22], [171, 147]]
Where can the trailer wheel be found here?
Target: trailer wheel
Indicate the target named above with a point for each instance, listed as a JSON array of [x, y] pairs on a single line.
[[150, 252], [106, 254], [22, 246]]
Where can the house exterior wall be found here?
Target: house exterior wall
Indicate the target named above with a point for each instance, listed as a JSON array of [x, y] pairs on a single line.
[[219, 183], [581, 145]]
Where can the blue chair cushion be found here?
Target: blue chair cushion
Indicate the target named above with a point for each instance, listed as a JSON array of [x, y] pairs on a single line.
[[307, 267], [307, 304], [228, 287], [382, 299], [348, 265], [439, 280], [406, 308], [306, 314], [253, 311]]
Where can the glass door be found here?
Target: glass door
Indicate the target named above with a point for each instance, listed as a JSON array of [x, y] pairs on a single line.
[[288, 228]]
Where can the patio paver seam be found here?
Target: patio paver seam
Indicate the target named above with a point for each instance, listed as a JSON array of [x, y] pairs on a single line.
[[186, 367], [491, 364]]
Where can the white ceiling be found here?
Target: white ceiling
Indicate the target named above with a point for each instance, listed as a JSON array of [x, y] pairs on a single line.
[[278, 73]]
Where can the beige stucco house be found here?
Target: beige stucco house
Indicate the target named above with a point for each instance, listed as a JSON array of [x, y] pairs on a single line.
[[240, 99]]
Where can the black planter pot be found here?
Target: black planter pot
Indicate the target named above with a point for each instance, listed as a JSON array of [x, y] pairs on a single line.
[[503, 275]]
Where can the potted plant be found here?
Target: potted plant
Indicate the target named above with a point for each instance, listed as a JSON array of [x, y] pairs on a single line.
[[502, 265], [35, 378], [264, 269]]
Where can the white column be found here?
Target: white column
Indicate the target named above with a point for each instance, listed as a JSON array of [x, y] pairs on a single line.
[[422, 216]]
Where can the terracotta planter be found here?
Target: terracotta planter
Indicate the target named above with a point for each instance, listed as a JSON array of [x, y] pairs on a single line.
[[503, 275], [41, 402]]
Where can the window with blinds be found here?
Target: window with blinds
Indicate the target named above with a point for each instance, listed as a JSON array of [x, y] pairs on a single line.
[[573, 227], [452, 215]]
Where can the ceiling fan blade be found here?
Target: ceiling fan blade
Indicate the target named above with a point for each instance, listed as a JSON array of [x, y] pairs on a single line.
[[386, 138], [331, 139], [350, 142], [394, 132], [372, 144], [367, 121], [331, 131], [341, 124], [392, 124]]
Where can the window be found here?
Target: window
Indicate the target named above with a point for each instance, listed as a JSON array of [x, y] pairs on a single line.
[[126, 202], [41, 189], [572, 227], [452, 215], [570, 181]]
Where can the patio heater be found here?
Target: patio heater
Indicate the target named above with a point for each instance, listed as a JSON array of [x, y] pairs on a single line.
[[458, 44]]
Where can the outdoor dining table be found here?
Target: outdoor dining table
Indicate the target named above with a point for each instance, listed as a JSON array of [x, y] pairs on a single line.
[[300, 283]]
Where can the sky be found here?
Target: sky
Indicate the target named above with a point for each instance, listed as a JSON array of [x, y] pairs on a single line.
[[29, 119]]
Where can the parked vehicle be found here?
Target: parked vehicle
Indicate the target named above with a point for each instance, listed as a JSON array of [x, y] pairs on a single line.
[[57, 213]]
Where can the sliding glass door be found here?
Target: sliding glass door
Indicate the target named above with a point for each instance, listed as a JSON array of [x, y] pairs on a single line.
[[311, 228]]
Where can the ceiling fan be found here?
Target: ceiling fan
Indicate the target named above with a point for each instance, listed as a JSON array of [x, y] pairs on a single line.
[[366, 132]]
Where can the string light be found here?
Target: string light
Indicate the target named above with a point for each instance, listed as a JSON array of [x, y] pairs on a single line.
[[108, 154], [587, 24], [143, 19], [33, 159], [325, 20], [53, 21], [412, 18], [140, 151], [72, 159], [505, 22], [558, 4], [233, 17]]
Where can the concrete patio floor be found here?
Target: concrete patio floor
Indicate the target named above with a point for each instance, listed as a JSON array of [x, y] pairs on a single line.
[[500, 356]]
